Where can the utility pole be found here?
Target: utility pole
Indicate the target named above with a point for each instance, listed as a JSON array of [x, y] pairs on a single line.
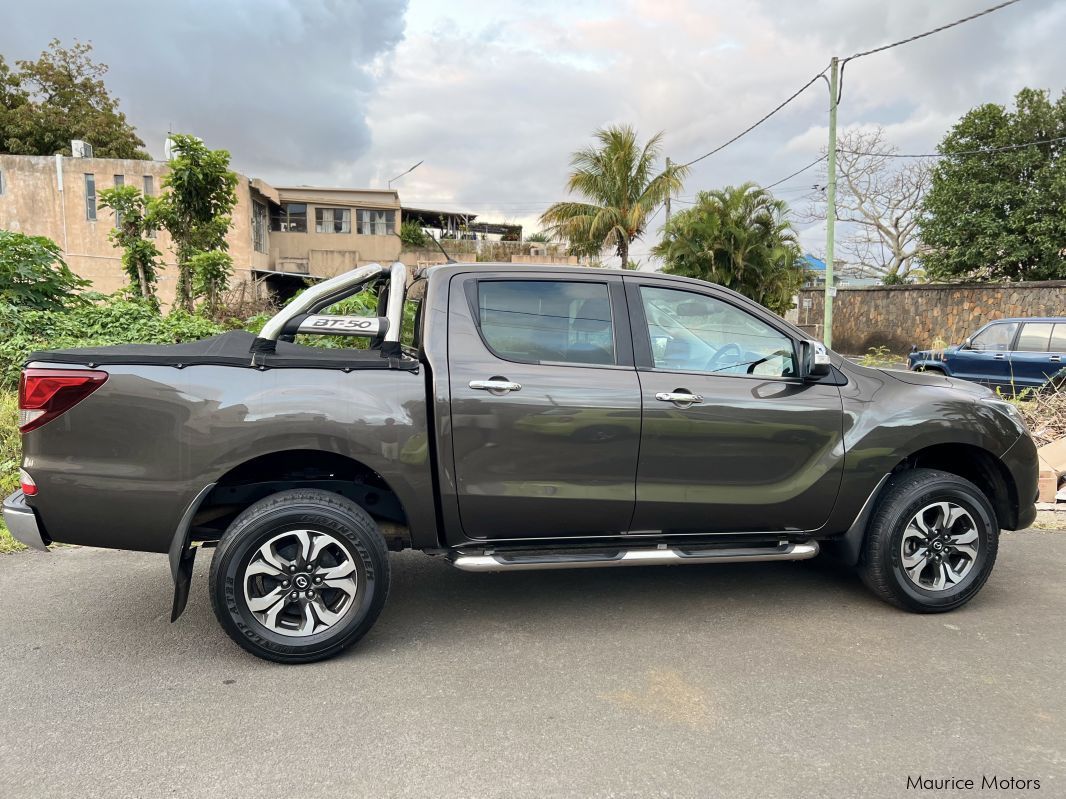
[[831, 205], [668, 196]]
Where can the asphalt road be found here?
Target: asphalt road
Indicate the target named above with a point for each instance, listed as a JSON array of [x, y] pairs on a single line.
[[739, 680]]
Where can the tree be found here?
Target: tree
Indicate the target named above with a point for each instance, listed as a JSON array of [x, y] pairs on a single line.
[[880, 196], [59, 97], [33, 275], [738, 237], [133, 228], [211, 274], [621, 191], [198, 195], [999, 215]]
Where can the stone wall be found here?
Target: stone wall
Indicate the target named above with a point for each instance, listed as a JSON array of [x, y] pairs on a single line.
[[899, 316]]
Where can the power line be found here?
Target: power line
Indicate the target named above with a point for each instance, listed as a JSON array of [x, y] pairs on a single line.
[[813, 163], [752, 127], [917, 36], [909, 39], [982, 151]]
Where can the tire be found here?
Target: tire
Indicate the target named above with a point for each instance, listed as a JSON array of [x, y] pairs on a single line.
[[278, 605], [893, 552]]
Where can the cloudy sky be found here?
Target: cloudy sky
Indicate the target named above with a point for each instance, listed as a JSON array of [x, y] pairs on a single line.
[[494, 96]]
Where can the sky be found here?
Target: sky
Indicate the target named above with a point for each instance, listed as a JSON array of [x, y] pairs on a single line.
[[493, 97]]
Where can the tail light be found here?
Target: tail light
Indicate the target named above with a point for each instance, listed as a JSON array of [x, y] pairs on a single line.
[[44, 394], [29, 488]]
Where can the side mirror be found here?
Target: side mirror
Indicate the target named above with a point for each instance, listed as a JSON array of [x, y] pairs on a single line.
[[967, 344], [814, 359]]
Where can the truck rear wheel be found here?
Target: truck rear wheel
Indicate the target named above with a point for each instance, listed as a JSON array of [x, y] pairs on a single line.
[[299, 576], [932, 542]]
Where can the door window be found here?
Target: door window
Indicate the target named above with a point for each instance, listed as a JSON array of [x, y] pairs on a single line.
[[1058, 338], [995, 338], [1035, 337], [547, 320], [696, 333]]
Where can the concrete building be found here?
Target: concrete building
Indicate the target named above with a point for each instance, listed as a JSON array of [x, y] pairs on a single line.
[[280, 236]]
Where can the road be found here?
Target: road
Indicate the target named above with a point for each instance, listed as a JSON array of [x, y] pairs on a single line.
[[745, 680]]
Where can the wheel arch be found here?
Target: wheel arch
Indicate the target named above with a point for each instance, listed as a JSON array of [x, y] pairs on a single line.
[[268, 473], [969, 461]]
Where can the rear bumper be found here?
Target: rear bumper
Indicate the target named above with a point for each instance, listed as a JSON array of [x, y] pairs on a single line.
[[21, 520]]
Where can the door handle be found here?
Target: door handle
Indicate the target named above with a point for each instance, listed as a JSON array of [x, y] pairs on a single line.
[[1056, 359], [999, 356], [497, 385], [680, 397]]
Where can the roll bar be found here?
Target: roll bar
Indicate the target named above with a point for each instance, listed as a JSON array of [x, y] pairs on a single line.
[[333, 290]]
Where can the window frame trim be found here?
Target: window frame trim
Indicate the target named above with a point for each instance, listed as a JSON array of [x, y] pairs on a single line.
[[623, 344], [643, 355]]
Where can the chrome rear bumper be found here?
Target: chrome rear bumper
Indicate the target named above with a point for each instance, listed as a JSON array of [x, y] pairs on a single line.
[[22, 522]]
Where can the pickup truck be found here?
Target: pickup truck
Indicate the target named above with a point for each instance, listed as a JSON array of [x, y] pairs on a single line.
[[531, 417]]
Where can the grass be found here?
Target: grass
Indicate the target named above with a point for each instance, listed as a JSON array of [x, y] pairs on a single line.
[[10, 454]]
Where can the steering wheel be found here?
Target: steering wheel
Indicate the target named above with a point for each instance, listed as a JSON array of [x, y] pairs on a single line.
[[716, 361]]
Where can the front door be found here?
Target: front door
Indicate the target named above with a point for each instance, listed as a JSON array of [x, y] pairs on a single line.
[[986, 357], [733, 440], [545, 406]]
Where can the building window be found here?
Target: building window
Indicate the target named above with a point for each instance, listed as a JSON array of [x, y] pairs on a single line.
[[90, 196], [149, 186], [333, 220], [120, 180], [290, 218], [376, 223], [259, 227]]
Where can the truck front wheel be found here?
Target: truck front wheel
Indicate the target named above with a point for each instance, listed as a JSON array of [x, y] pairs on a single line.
[[932, 542], [299, 576]]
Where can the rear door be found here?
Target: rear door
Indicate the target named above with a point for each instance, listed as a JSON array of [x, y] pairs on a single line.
[[733, 440], [986, 358], [1038, 354], [545, 409]]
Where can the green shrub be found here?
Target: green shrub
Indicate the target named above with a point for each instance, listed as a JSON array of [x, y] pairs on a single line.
[[33, 274], [114, 320], [10, 455]]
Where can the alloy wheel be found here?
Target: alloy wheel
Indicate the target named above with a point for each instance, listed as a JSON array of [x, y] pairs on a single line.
[[939, 546], [300, 583]]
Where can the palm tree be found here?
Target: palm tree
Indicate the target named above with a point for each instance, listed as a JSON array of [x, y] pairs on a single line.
[[621, 192], [739, 237]]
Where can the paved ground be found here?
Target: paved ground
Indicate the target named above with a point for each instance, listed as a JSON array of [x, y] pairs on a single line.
[[733, 680]]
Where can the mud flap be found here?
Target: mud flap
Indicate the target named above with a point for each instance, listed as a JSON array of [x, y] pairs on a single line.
[[182, 554]]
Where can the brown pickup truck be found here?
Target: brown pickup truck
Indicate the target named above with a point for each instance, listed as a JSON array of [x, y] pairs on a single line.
[[531, 417]]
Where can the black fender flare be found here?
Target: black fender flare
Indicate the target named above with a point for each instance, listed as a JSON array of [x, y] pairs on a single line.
[[848, 547], [182, 553]]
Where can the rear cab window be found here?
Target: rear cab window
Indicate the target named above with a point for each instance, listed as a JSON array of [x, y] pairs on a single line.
[[554, 321]]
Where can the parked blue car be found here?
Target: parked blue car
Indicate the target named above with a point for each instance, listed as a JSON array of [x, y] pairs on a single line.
[[1008, 354]]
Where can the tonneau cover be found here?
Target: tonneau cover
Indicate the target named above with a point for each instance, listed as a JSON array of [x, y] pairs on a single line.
[[227, 349]]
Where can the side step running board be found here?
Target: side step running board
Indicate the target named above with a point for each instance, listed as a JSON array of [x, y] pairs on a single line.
[[664, 556]]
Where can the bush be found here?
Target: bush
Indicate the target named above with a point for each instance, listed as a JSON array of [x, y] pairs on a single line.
[[413, 236], [115, 320], [10, 457], [33, 275]]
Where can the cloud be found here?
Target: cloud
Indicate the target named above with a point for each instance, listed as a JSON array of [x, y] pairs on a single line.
[[282, 84]]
